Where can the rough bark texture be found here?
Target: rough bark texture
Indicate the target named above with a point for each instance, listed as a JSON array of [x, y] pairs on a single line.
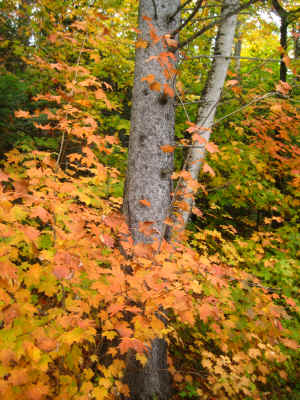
[[152, 126], [153, 381], [283, 14], [149, 173], [211, 95], [238, 50]]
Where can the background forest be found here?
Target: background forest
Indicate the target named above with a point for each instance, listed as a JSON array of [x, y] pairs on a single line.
[[79, 297]]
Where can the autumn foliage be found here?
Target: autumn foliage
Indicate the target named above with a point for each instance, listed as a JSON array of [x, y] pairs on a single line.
[[76, 294]]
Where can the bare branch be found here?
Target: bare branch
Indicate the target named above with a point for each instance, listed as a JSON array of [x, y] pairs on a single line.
[[212, 24], [190, 17], [235, 58], [179, 9]]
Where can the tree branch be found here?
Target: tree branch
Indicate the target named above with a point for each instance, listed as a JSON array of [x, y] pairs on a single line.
[[212, 24], [196, 9], [179, 9]]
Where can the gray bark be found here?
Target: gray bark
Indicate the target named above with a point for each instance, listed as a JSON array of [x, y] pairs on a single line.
[[149, 174], [297, 41], [211, 96], [152, 126], [238, 50]]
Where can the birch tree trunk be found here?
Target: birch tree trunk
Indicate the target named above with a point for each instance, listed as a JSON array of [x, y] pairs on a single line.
[[149, 169], [210, 98]]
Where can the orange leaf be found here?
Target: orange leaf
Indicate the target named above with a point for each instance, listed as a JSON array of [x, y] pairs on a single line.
[[124, 331], [145, 18], [155, 86], [146, 228], [291, 344], [145, 203], [131, 343], [141, 44], [22, 114], [167, 148], [168, 90], [171, 42], [211, 147], [207, 168], [46, 344], [3, 176], [149, 78], [232, 82]]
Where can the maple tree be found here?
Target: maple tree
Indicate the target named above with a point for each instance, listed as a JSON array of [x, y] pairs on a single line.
[[81, 299]]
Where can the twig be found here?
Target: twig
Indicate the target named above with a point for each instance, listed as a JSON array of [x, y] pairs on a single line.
[[179, 9], [212, 24], [234, 58], [190, 17]]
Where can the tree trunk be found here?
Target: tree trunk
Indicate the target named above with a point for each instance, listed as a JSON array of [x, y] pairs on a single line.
[[152, 126], [210, 97], [149, 169], [238, 50], [283, 15]]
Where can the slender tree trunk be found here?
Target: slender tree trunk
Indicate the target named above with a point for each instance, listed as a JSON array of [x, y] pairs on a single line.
[[283, 15], [238, 50], [296, 32], [211, 96], [283, 44], [149, 168]]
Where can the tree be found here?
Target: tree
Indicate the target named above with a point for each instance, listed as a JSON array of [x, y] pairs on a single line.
[[210, 98], [148, 182], [148, 187]]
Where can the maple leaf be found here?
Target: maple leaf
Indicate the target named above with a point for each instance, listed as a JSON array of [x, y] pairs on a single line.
[[3, 177], [31, 232], [131, 343], [146, 228], [37, 391], [22, 114], [168, 148], [155, 86], [211, 147], [171, 42], [114, 308], [145, 18], [19, 376], [283, 87], [232, 82], [168, 90], [141, 44], [145, 203], [205, 311], [197, 212], [291, 344], [207, 168], [143, 250], [124, 331], [46, 344], [149, 78], [107, 240]]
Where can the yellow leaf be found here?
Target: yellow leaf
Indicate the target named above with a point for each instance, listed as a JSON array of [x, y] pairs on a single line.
[[141, 358], [141, 44], [100, 393], [109, 334]]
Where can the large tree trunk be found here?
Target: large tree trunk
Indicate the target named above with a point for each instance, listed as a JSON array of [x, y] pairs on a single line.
[[210, 97], [152, 126], [149, 170]]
